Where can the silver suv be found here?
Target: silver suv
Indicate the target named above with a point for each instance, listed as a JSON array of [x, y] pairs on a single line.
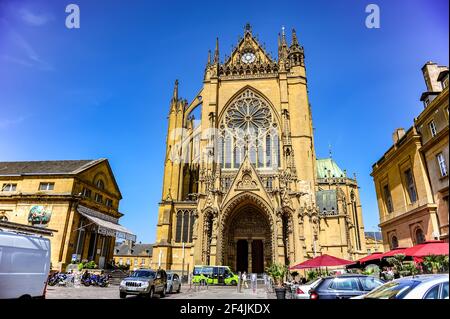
[[144, 282]]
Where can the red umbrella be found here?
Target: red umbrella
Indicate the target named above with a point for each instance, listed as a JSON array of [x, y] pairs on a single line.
[[431, 247], [393, 252], [374, 256], [322, 261]]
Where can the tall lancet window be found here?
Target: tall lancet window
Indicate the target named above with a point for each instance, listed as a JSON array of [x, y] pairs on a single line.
[[253, 128], [268, 150]]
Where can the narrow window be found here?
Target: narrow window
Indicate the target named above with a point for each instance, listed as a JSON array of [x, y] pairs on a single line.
[[420, 236], [227, 152], [191, 227], [410, 185], [109, 202], [98, 198], [432, 127], [394, 242], [185, 226], [442, 166], [86, 192], [268, 151], [388, 199], [178, 227], [100, 184]]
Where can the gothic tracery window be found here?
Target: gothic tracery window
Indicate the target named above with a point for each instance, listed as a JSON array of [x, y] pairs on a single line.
[[249, 126], [184, 226]]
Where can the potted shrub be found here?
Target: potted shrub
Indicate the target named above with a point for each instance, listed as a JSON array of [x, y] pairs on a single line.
[[277, 272], [435, 263]]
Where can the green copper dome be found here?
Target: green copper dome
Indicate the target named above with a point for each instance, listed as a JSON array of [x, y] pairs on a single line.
[[326, 167]]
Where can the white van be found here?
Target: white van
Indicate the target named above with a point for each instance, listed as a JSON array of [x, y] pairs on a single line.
[[24, 265]]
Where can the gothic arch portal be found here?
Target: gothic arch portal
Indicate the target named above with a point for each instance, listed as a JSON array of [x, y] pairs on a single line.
[[246, 220]]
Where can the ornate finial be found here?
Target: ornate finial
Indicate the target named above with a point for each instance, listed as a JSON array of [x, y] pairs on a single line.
[[294, 37], [209, 57], [330, 151], [283, 36], [216, 52], [248, 28], [175, 91]]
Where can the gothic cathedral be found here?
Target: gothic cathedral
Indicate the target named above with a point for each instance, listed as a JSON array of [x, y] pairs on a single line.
[[242, 185]]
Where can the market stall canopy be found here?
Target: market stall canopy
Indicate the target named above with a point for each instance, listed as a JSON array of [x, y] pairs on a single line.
[[431, 247], [107, 225], [323, 261], [374, 256], [393, 252]]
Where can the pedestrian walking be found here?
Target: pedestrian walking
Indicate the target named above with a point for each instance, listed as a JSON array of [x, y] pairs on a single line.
[[244, 279]]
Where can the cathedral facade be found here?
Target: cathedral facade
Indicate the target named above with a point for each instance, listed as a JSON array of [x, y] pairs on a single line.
[[242, 185]]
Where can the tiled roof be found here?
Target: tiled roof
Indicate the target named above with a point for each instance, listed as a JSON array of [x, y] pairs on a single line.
[[327, 167], [123, 249], [45, 167]]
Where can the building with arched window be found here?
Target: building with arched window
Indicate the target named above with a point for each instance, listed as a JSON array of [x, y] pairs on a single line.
[[242, 185]]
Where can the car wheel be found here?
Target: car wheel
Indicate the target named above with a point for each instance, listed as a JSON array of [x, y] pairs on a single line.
[[163, 293], [151, 294], [123, 295], [233, 283], [171, 290], [179, 289]]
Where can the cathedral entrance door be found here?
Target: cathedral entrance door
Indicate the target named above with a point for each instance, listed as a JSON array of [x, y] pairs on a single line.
[[242, 255], [257, 256]]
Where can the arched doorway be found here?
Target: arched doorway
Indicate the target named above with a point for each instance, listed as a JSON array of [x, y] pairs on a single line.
[[247, 239]]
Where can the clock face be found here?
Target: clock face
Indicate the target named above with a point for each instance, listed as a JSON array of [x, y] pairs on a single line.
[[248, 57]]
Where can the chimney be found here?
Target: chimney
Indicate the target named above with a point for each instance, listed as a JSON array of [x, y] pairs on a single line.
[[398, 134], [431, 72]]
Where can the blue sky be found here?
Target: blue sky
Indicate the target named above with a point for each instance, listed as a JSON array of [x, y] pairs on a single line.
[[103, 90]]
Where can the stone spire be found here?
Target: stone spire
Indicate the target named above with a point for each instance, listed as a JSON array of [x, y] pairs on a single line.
[[175, 92], [216, 52], [208, 63], [294, 38], [282, 46]]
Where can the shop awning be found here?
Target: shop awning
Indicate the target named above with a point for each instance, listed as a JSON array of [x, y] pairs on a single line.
[[322, 261], [107, 225], [374, 256]]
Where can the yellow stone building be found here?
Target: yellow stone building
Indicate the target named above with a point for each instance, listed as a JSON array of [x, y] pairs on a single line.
[[374, 242], [135, 255], [411, 179], [242, 185], [79, 199]]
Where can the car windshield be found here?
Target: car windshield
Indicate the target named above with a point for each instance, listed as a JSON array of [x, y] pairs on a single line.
[[392, 290], [197, 271], [143, 273]]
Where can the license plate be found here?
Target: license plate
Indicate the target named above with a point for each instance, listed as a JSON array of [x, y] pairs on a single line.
[[132, 288]]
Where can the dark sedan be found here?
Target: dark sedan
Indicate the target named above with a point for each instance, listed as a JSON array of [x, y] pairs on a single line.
[[344, 286]]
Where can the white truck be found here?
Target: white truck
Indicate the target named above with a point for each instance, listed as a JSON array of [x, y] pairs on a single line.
[[24, 265]]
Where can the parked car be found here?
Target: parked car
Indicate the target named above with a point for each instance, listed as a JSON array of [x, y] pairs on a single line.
[[302, 291], [24, 265], [414, 287], [173, 283], [344, 286], [145, 282]]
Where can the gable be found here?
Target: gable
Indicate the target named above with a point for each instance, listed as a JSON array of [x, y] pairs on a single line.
[[248, 44], [246, 180], [101, 170]]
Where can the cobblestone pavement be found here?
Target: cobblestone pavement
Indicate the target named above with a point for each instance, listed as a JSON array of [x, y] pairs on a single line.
[[112, 292]]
